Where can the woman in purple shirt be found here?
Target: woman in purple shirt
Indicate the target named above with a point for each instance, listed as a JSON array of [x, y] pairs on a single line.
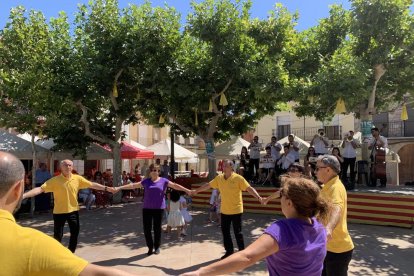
[[292, 246], [154, 205]]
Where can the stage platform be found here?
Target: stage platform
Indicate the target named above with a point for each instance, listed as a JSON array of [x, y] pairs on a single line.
[[393, 205]]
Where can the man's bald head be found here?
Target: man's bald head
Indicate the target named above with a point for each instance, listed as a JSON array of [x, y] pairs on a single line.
[[11, 171]]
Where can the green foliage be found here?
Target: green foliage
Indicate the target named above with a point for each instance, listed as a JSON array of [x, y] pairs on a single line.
[[338, 57], [25, 82], [223, 49]]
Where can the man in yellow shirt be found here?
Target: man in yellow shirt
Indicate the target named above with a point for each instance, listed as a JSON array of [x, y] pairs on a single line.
[[230, 185], [340, 245], [65, 188], [26, 251]]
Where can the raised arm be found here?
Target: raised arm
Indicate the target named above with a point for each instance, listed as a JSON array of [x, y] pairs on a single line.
[[33, 192], [178, 187], [272, 196], [100, 187], [260, 249], [201, 188], [254, 193], [130, 186]]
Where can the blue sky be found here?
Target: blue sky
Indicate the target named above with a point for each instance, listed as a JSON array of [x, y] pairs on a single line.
[[310, 11]]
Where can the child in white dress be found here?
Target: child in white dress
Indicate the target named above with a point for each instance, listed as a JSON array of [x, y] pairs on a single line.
[[186, 215], [175, 218]]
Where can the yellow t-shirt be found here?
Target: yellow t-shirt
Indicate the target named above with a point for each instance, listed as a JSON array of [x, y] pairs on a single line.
[[26, 251], [65, 192], [341, 241], [231, 192]]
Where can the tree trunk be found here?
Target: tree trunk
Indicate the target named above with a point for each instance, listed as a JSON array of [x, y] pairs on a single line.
[[34, 159], [366, 113], [116, 150], [212, 170]]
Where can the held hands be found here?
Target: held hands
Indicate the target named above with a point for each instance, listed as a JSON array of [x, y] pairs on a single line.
[[111, 189], [265, 200]]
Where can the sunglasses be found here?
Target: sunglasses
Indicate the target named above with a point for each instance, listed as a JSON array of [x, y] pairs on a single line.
[[317, 168], [155, 170]]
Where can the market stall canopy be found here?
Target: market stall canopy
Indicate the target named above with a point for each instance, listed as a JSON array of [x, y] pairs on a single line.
[[93, 151], [20, 147], [303, 145], [136, 144], [129, 151], [163, 149], [231, 148]]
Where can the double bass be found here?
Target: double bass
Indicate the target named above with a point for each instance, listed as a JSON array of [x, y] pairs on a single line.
[[378, 166]]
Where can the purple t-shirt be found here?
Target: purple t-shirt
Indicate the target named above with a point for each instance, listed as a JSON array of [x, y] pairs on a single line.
[[154, 195], [302, 247]]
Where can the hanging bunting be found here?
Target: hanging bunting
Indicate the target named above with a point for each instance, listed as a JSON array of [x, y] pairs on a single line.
[[223, 100], [161, 120], [404, 113], [210, 106], [115, 91], [340, 107]]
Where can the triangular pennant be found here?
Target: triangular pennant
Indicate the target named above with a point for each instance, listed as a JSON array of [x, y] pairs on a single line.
[[404, 113], [223, 100], [115, 90], [340, 107], [161, 120]]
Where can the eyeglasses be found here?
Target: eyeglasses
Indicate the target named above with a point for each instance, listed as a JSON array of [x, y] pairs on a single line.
[[317, 168], [155, 170], [67, 165]]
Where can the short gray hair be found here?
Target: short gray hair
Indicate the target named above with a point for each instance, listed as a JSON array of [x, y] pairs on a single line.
[[330, 161], [229, 162], [11, 171]]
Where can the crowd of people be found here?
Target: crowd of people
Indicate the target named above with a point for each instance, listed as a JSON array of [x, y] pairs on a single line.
[[266, 168], [312, 240]]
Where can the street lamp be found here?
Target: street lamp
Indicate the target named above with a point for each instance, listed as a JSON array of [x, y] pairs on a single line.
[[172, 158]]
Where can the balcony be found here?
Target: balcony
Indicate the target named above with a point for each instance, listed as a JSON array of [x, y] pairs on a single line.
[[396, 128], [307, 134]]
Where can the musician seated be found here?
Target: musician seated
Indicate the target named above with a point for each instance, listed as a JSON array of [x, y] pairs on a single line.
[[267, 165]]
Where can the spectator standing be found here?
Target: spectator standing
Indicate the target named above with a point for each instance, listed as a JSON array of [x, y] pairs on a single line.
[[255, 147], [294, 147], [320, 142], [165, 169], [42, 201], [275, 148], [349, 145]]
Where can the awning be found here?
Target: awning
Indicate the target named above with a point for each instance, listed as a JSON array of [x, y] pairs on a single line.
[[163, 149], [129, 151]]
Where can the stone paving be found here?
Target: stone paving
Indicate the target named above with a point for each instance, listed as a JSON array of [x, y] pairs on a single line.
[[114, 237]]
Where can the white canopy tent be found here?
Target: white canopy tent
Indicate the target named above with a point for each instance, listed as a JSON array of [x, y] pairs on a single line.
[[20, 147], [231, 148], [93, 151], [303, 145], [181, 154]]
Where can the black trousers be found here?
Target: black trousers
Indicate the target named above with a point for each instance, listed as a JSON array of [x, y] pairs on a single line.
[[73, 222], [351, 163], [254, 167], [336, 264], [226, 221], [42, 201], [152, 221]]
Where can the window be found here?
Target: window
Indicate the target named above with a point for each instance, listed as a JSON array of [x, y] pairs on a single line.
[[283, 126], [333, 132]]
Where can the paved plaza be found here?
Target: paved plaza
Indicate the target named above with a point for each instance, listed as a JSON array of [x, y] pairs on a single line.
[[114, 237]]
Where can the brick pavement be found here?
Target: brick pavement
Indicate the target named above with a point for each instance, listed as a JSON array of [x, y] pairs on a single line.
[[114, 237]]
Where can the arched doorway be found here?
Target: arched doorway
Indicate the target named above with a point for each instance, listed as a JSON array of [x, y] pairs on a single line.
[[406, 154]]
